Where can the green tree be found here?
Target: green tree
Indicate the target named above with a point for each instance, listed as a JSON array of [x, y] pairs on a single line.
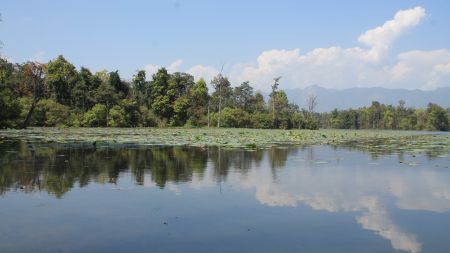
[[132, 112], [221, 96], [437, 118], [10, 108], [140, 87], [117, 117], [335, 121], [83, 94], [121, 87], [198, 104], [107, 96], [243, 97], [96, 117], [259, 105], [274, 100], [61, 77], [234, 117], [179, 85], [51, 113], [160, 102], [180, 111]]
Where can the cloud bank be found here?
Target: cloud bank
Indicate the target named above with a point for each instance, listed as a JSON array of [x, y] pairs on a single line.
[[336, 67]]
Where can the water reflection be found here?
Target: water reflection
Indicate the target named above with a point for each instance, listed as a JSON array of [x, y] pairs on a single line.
[[322, 178]]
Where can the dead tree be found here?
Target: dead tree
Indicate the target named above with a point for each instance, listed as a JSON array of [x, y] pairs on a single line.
[[34, 76]]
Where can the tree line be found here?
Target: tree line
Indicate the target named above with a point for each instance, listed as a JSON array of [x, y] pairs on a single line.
[[380, 116], [58, 94]]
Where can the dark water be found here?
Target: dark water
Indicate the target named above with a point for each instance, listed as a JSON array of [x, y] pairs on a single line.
[[177, 199]]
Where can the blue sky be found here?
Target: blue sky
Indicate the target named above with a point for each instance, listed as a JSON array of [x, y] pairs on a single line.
[[131, 35]]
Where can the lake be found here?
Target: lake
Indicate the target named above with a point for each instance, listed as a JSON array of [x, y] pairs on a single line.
[[131, 198]]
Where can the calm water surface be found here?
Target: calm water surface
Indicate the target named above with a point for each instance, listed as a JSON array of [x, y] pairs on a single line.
[[72, 198]]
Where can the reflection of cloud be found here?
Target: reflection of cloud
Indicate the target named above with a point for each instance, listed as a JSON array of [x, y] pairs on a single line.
[[335, 188], [338, 187], [377, 219], [173, 188], [427, 191]]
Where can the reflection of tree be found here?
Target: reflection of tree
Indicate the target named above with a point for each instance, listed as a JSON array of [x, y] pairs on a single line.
[[278, 157], [57, 168], [238, 159]]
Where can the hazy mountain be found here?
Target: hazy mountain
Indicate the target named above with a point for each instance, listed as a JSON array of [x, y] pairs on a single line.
[[328, 99]]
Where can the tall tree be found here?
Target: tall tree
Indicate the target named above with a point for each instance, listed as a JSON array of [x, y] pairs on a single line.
[[437, 118], [140, 85], [120, 86], [274, 97], [106, 95], [258, 103], [243, 96], [61, 77], [83, 92], [199, 99], [160, 102], [34, 74], [222, 94]]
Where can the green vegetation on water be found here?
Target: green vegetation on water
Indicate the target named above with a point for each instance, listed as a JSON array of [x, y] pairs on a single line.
[[235, 137]]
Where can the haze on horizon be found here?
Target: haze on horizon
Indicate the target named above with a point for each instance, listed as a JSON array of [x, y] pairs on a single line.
[[390, 44]]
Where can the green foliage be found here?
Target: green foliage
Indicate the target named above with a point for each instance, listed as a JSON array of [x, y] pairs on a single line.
[[61, 76], [149, 119], [117, 117], [243, 97], [259, 105], [437, 118], [233, 117], [222, 95], [132, 113], [180, 110], [159, 100], [67, 97], [83, 94], [198, 102], [96, 117], [120, 87], [140, 86], [48, 113], [262, 120], [9, 108], [106, 95]]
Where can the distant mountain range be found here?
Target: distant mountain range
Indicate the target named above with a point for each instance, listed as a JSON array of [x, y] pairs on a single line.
[[328, 99]]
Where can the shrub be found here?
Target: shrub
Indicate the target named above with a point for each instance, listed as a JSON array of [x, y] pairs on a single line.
[[96, 117], [117, 117]]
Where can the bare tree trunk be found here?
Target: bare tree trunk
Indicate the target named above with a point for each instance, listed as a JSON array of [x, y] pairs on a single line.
[[209, 119], [220, 106], [26, 122], [273, 110], [107, 114]]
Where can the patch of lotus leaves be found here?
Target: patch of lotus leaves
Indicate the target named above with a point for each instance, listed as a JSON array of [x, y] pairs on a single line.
[[376, 141]]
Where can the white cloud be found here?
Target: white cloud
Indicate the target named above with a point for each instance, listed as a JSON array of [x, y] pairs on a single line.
[[151, 69], [380, 38], [206, 72], [337, 67], [174, 66]]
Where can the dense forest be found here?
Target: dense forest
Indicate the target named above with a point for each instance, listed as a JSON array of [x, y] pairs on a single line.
[[57, 94]]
